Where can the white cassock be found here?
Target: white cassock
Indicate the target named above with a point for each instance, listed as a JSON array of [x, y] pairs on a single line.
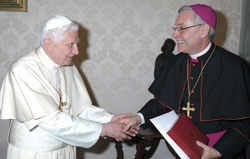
[[30, 96]]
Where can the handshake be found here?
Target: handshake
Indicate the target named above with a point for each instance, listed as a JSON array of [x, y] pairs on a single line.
[[121, 127]]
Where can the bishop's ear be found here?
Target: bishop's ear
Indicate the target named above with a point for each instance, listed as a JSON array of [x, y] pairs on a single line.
[[204, 30]]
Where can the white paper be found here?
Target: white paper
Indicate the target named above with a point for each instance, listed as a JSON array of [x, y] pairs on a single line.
[[164, 123]]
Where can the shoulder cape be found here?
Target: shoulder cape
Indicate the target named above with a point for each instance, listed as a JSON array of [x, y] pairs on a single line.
[[26, 93]]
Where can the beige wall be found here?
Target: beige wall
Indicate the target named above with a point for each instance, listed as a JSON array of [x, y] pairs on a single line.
[[120, 40]]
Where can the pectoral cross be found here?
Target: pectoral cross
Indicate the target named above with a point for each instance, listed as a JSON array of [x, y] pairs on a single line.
[[61, 103], [188, 109]]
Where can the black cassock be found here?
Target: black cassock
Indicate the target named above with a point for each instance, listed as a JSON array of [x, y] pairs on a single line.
[[221, 98]]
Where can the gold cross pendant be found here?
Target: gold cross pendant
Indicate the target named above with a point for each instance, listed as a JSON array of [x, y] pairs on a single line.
[[188, 109], [61, 104]]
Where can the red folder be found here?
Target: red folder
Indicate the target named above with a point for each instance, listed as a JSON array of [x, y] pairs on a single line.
[[185, 134]]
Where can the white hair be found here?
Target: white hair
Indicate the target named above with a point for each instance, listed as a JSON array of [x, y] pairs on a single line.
[[56, 27]]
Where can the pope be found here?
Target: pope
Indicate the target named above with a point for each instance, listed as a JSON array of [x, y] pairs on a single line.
[[47, 102]]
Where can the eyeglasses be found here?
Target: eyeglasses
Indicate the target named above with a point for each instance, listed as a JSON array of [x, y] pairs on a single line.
[[180, 29]]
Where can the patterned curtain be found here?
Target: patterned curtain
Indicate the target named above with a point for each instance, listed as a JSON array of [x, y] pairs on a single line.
[[244, 47]]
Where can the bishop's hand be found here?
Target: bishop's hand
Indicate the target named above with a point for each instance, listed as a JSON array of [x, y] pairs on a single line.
[[132, 123], [209, 152], [117, 117]]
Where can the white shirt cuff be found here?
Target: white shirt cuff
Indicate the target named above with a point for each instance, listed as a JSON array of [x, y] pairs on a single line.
[[142, 118]]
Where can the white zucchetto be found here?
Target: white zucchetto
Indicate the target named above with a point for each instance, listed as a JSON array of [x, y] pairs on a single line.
[[56, 21]]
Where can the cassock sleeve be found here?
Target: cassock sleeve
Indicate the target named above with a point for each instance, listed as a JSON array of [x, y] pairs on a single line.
[[150, 110], [235, 140], [71, 129]]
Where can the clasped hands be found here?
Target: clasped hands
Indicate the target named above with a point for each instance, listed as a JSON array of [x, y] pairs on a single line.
[[125, 126], [121, 127]]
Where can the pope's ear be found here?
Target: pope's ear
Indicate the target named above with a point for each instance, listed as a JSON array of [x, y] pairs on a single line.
[[205, 30], [47, 43]]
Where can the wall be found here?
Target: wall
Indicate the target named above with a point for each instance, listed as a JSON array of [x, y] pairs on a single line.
[[119, 41]]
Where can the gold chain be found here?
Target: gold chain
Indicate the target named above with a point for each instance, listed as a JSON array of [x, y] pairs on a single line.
[[189, 92], [188, 109], [61, 104]]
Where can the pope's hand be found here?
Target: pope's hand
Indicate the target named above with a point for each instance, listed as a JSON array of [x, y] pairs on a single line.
[[114, 129], [208, 151]]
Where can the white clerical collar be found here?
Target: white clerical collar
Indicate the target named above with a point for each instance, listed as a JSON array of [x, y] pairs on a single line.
[[195, 56], [47, 59]]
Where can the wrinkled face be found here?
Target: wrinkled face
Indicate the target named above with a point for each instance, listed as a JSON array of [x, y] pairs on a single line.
[[62, 52], [188, 40]]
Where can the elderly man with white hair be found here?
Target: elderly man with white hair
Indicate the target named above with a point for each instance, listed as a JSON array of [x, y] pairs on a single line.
[[49, 107]]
